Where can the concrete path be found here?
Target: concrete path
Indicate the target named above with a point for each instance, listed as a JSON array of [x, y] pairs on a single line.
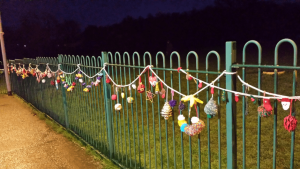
[[27, 143]]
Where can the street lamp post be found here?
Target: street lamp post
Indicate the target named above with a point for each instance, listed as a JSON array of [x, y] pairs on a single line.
[[4, 59]]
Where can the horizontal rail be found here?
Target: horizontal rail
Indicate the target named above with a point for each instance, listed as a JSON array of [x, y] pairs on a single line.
[[265, 66]]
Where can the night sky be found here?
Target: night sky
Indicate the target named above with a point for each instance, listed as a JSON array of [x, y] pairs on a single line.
[[94, 12]]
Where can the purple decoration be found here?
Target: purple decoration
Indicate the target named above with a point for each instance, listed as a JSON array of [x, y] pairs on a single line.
[[92, 83], [172, 103], [181, 106], [83, 84], [79, 72], [88, 86], [76, 78], [67, 86], [99, 77], [63, 82]]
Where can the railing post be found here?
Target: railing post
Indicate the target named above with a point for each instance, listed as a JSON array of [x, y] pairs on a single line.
[[108, 111], [231, 107], [63, 90]]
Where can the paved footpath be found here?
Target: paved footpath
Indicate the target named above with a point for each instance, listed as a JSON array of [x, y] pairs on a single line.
[[27, 143]]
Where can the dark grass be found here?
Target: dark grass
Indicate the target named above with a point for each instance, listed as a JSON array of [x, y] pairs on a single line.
[[141, 136]]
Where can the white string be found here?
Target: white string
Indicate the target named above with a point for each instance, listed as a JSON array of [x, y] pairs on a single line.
[[129, 83], [166, 84], [275, 96]]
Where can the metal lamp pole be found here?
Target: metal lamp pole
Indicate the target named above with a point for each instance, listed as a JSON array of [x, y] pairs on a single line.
[[4, 59]]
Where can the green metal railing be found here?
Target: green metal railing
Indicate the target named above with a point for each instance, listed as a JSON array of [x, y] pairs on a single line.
[[138, 137]]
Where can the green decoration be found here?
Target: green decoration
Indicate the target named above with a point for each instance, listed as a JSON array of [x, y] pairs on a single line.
[[224, 96]]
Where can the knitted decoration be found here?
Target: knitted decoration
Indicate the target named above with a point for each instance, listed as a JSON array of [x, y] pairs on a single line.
[[290, 122], [166, 111], [52, 83], [118, 106], [141, 87], [172, 103], [253, 99], [267, 105], [263, 112], [224, 96], [181, 106], [211, 107], [130, 99], [196, 127]]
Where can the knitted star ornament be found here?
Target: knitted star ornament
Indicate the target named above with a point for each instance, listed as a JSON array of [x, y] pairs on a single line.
[[290, 122]]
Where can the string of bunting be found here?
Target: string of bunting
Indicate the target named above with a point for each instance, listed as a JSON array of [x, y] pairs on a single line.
[[211, 108]]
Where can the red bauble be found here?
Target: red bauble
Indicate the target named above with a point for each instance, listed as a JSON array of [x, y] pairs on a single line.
[[73, 84], [113, 97], [200, 85], [290, 123], [107, 80], [236, 98], [212, 91], [52, 83]]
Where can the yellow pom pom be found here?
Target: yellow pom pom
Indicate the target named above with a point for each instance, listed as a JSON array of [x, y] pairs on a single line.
[[180, 122]]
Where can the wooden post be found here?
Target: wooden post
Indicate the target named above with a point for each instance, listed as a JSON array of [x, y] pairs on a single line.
[[4, 59]]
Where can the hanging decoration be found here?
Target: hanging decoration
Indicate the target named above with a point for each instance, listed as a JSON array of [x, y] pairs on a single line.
[[188, 77], [195, 128], [290, 122], [211, 108], [130, 99], [133, 86], [285, 102], [172, 102], [265, 110], [114, 96], [200, 85], [166, 111], [224, 96], [141, 87], [163, 91], [118, 106], [152, 80], [156, 89], [149, 94], [181, 106], [107, 80], [192, 100], [253, 99], [236, 97], [122, 94]]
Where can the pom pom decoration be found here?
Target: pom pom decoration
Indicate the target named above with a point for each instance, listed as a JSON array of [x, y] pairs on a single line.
[[289, 122], [130, 99], [181, 106], [236, 97], [114, 97], [73, 84], [211, 108], [166, 111], [172, 102], [118, 106], [44, 80], [141, 87]]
